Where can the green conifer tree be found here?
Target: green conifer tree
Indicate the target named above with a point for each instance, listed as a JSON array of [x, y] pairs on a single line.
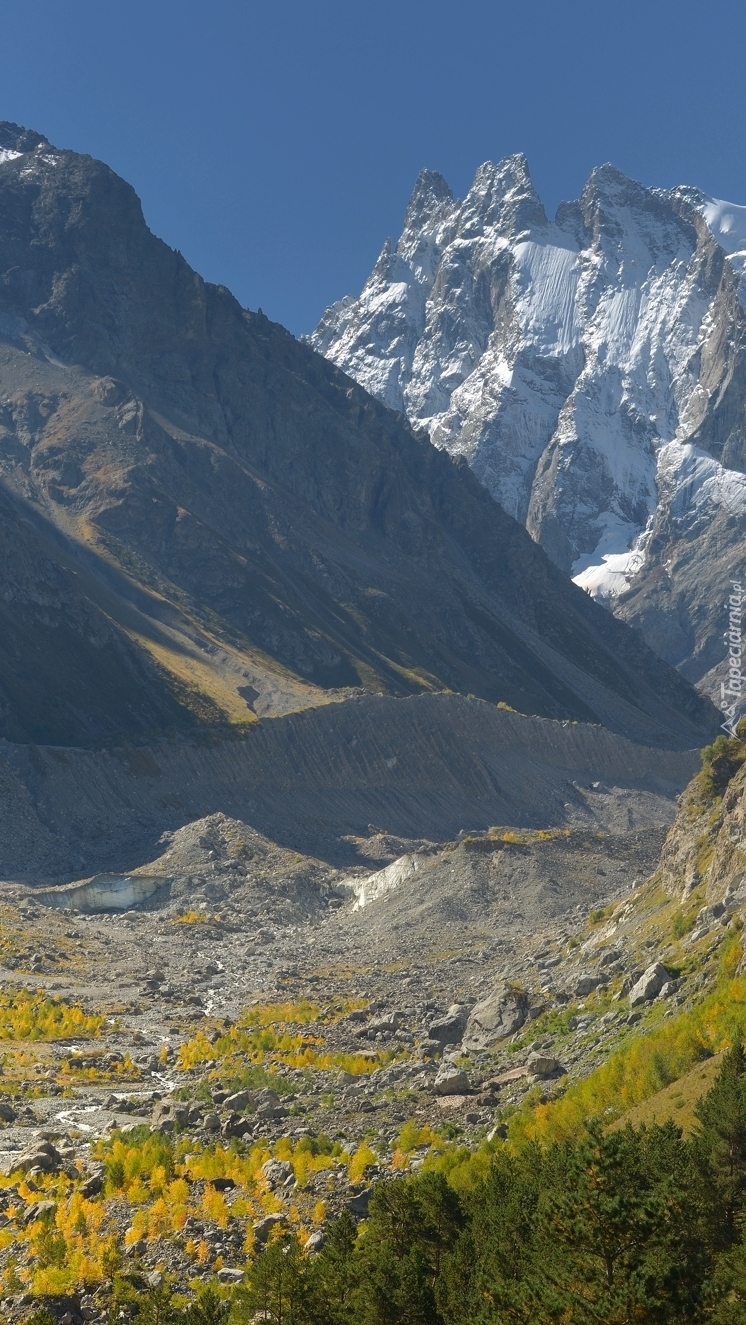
[[721, 1144]]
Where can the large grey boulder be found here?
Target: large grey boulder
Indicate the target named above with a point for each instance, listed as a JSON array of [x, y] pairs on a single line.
[[450, 1028], [541, 1065], [496, 1017], [41, 1156], [649, 985], [451, 1081], [585, 984]]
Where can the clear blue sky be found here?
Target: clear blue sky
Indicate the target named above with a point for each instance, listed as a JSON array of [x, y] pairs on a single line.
[[276, 144]]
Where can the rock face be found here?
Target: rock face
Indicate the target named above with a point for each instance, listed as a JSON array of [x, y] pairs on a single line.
[[705, 847], [495, 1018], [591, 369], [218, 523]]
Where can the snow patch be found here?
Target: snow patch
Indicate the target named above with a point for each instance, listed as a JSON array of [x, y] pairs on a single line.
[[607, 571], [727, 222]]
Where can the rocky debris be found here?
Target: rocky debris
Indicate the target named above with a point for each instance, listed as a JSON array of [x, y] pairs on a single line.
[[717, 913], [649, 985], [496, 1018], [451, 1081]]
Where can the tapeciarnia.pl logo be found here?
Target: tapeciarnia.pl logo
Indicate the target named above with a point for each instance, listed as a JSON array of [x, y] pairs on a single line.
[[730, 691]]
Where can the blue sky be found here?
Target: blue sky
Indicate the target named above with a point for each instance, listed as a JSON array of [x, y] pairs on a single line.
[[276, 144]]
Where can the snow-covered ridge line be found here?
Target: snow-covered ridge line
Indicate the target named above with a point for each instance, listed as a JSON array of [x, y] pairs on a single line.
[[587, 367]]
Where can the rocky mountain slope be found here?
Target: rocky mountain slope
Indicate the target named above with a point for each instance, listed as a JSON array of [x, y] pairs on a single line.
[[227, 513], [590, 369], [330, 781]]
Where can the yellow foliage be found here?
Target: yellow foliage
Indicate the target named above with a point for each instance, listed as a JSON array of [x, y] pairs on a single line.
[[360, 1161], [214, 1206], [33, 1016], [412, 1137], [641, 1068], [266, 1034], [319, 1212]]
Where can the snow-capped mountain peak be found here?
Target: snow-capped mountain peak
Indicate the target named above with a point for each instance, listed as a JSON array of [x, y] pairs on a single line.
[[589, 368]]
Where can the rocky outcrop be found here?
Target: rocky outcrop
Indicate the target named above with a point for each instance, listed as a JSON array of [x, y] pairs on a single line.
[[706, 845], [591, 369]]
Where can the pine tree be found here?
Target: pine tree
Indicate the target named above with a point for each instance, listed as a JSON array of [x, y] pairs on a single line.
[[277, 1288], [721, 1143], [332, 1276]]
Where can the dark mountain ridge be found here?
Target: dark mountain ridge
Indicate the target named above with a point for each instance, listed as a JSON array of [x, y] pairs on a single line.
[[247, 528]]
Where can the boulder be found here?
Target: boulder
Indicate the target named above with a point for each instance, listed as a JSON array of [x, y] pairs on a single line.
[[235, 1126], [237, 1102], [93, 1186], [585, 984], [277, 1171], [430, 1049], [358, 1205], [450, 1028], [227, 1275], [267, 1104], [649, 985], [541, 1065], [169, 1114], [39, 1210], [263, 1227], [43, 1156], [451, 1081], [495, 1018], [315, 1242], [7, 1112]]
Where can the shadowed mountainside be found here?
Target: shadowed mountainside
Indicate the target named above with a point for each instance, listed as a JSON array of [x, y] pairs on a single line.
[[242, 514]]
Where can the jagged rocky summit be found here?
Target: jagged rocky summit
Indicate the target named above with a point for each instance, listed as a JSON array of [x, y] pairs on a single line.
[[591, 369]]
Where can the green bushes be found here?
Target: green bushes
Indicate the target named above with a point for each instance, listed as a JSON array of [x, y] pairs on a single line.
[[720, 762]]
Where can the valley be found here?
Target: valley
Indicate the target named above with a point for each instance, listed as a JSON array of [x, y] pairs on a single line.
[[354, 860]]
